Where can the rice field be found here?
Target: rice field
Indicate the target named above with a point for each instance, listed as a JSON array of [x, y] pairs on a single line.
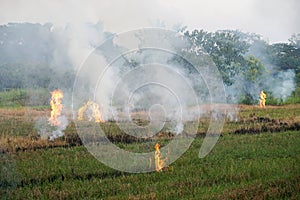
[[257, 157]]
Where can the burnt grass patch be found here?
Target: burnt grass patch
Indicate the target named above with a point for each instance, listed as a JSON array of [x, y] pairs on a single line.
[[258, 125]]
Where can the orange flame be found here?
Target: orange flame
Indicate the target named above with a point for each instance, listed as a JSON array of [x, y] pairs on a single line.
[[56, 107], [262, 99], [159, 162], [93, 108]]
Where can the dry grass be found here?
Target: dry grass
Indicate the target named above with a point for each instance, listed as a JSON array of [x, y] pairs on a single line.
[[21, 143], [18, 132]]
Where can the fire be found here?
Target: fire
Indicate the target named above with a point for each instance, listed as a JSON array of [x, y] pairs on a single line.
[[56, 107], [92, 110], [262, 99], [159, 162]]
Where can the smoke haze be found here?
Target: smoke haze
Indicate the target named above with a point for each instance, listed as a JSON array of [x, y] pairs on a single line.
[[276, 20], [79, 27]]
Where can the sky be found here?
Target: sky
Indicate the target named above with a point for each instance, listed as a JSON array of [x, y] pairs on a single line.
[[275, 20]]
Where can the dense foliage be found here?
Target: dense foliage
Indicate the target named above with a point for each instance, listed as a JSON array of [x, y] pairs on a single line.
[[249, 59]]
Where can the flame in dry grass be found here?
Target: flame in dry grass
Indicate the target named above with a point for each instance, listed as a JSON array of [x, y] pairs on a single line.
[[56, 107], [91, 110], [262, 99], [159, 161]]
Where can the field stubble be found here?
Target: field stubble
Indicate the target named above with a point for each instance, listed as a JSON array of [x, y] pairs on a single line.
[[244, 164], [19, 133]]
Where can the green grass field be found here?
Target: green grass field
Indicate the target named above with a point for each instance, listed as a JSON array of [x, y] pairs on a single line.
[[243, 165]]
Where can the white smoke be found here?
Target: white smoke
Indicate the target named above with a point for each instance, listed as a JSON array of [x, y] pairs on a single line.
[[139, 78], [48, 132], [283, 84], [59, 129]]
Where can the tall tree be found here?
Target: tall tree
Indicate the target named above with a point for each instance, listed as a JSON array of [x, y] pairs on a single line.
[[224, 47]]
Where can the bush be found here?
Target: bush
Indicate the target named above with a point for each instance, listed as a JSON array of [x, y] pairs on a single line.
[[294, 98], [247, 99], [24, 97]]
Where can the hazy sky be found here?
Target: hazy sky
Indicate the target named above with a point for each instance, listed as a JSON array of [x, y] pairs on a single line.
[[276, 20]]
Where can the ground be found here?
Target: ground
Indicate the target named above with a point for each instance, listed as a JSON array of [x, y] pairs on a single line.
[[257, 157]]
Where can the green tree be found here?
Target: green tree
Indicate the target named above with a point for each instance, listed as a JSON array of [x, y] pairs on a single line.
[[224, 47], [287, 56], [253, 68]]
